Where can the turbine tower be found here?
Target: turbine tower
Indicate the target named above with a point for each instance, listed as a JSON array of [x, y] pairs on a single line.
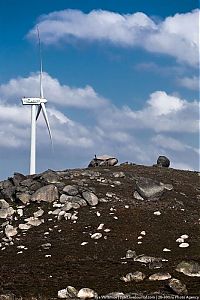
[[38, 103]]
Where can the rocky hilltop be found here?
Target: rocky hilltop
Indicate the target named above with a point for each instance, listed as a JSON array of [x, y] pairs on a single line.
[[122, 231]]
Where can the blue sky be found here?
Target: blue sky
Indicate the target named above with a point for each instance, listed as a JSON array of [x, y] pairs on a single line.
[[121, 78]]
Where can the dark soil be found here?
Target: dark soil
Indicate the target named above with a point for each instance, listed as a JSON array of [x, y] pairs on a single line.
[[99, 264]]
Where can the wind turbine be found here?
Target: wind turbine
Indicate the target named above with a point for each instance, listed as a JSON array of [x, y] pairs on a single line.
[[39, 103]]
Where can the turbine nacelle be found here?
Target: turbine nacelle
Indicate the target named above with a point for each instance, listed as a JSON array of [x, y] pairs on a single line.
[[33, 101]]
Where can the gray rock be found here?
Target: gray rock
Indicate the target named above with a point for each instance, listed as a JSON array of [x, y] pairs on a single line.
[[24, 197], [91, 198], [65, 198], [104, 160], [149, 189], [160, 276], [67, 206], [163, 161], [72, 292], [71, 190], [86, 293], [3, 204], [136, 276], [119, 174], [189, 268], [155, 265], [178, 287], [148, 259], [7, 296], [48, 193], [10, 231], [31, 184], [137, 196], [50, 176], [131, 254], [17, 178]]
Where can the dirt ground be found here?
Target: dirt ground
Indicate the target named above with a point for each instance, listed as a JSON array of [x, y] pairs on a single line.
[[100, 263]]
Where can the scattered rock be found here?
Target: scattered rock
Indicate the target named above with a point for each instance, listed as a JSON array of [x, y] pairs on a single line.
[[160, 276], [71, 190], [178, 287], [149, 188], [104, 160], [136, 276], [96, 236], [163, 161], [189, 268], [48, 193], [10, 231], [91, 198], [131, 254], [86, 293]]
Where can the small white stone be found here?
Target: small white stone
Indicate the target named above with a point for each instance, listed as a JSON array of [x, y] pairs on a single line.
[[96, 236], [46, 233], [184, 236], [48, 255], [20, 252], [139, 243], [98, 214], [140, 237], [157, 213], [184, 245], [166, 250], [84, 243], [20, 212], [107, 230], [143, 232], [100, 226], [180, 240], [116, 218], [126, 206]]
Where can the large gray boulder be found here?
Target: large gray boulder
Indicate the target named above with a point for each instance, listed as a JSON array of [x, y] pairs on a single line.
[[48, 193], [103, 161], [163, 161], [149, 188]]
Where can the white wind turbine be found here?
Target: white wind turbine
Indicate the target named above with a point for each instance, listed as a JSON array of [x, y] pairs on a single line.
[[40, 103]]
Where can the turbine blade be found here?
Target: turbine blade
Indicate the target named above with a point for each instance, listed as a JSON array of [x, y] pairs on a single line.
[[38, 111], [40, 52], [46, 120]]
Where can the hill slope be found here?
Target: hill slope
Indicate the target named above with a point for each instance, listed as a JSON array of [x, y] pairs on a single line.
[[77, 227]]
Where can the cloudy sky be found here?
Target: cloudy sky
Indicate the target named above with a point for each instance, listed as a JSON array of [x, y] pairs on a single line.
[[120, 77]]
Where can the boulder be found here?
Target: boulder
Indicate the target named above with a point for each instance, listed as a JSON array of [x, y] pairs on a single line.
[[163, 161], [91, 198], [178, 287], [189, 268], [71, 190], [104, 160], [149, 188], [48, 193]]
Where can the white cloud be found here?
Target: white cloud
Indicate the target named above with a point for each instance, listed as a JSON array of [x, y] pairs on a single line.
[[176, 35], [126, 133], [56, 93], [191, 83], [162, 113]]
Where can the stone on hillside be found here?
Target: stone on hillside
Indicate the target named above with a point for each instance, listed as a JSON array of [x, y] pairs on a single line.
[[149, 188], [72, 292], [163, 161], [48, 193], [136, 276], [10, 231], [33, 221], [178, 287], [91, 198], [96, 236], [160, 276], [7, 296], [189, 268], [131, 254], [86, 293], [137, 196], [23, 197], [67, 206], [17, 178], [63, 294], [31, 184], [104, 160], [65, 198], [119, 174], [50, 176], [24, 226], [38, 213], [71, 190], [148, 259], [3, 204]]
